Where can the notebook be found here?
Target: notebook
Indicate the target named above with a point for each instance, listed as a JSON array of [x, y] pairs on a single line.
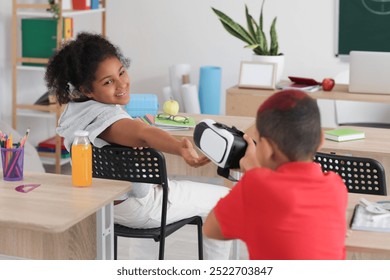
[[369, 72]]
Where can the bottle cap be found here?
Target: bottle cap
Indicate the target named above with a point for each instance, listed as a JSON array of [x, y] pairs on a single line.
[[81, 133]]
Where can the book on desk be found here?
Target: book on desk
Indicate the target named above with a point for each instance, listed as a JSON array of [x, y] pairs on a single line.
[[304, 84], [168, 124], [303, 87], [344, 134]]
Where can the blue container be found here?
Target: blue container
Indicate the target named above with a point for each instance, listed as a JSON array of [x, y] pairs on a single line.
[[141, 104], [94, 4], [210, 90]]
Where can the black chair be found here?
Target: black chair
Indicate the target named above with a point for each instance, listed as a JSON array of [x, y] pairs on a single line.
[[143, 166], [360, 175]]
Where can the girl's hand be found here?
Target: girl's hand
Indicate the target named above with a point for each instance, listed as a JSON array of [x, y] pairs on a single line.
[[190, 156], [249, 160]]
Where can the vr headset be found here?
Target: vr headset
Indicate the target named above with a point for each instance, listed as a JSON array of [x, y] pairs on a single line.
[[223, 145]]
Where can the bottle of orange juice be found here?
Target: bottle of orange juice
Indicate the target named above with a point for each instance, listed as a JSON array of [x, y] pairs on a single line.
[[81, 159]]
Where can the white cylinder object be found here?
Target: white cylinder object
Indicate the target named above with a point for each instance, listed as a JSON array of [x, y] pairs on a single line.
[[167, 94], [176, 73], [190, 98]]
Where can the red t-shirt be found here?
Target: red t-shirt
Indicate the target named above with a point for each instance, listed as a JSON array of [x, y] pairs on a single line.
[[295, 212]]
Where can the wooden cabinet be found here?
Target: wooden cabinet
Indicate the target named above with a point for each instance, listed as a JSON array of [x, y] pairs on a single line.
[[245, 102], [23, 10]]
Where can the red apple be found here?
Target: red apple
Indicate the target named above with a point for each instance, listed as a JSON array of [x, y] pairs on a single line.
[[327, 84]]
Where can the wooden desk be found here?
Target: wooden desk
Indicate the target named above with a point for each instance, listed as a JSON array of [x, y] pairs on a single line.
[[245, 102], [366, 244], [56, 220], [375, 145]]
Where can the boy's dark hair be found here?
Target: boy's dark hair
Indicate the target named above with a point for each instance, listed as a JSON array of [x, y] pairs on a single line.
[[291, 119], [74, 65]]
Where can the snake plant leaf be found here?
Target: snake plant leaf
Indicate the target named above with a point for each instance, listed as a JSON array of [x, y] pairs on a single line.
[[252, 46], [237, 28], [261, 16], [249, 21], [233, 32], [274, 39], [263, 48]]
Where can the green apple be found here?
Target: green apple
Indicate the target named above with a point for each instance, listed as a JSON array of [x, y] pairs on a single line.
[[171, 107]]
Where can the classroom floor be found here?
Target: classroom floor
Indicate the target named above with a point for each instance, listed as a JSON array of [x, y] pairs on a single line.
[[181, 245]]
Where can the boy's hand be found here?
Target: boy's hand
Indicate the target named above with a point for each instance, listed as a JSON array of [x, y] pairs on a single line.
[[190, 156], [249, 160]]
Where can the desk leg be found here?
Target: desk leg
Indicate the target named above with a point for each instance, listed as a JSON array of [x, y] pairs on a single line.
[[105, 233]]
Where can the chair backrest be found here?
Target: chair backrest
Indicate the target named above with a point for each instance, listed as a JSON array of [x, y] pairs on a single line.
[[144, 165], [360, 175]]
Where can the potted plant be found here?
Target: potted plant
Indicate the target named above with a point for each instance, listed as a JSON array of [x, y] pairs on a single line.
[[255, 38], [54, 8]]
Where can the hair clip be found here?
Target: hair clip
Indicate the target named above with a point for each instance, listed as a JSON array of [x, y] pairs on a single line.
[[73, 92], [69, 87]]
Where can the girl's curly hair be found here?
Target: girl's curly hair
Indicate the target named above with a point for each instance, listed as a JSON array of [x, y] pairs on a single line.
[[74, 65]]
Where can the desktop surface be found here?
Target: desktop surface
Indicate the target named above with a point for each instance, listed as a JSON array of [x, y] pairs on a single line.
[[54, 220]]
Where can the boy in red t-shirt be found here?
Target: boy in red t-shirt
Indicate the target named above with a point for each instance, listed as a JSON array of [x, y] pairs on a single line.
[[284, 207]]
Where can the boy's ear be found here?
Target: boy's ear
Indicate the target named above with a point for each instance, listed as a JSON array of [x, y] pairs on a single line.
[[267, 148], [322, 141]]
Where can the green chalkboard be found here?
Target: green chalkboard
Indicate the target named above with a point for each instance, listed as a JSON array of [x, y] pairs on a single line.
[[364, 25]]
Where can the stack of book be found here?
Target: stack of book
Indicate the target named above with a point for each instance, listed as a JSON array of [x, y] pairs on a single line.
[[168, 124], [305, 84], [49, 146]]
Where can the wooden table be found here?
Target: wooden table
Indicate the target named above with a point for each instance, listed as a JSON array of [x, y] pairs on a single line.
[[375, 145], [245, 102], [57, 220]]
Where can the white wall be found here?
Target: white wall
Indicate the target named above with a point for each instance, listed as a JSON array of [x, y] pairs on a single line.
[[160, 33], [157, 34]]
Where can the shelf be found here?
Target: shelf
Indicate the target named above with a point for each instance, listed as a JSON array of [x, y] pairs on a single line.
[[65, 13], [35, 114], [19, 63], [44, 108], [52, 160], [31, 68]]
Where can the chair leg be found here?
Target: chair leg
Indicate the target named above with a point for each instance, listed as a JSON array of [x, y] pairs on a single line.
[[161, 249], [200, 238], [115, 247]]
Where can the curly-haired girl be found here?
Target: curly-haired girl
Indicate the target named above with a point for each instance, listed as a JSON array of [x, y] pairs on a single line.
[[89, 74]]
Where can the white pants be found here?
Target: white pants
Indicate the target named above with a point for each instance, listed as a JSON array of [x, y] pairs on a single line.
[[185, 199]]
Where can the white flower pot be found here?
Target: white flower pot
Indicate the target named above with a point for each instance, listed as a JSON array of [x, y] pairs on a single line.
[[278, 59]]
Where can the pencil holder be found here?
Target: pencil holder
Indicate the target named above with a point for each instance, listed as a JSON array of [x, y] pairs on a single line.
[[12, 161]]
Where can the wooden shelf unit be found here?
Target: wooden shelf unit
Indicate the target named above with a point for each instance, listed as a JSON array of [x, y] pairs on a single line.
[[33, 11]]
